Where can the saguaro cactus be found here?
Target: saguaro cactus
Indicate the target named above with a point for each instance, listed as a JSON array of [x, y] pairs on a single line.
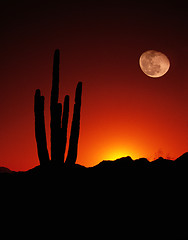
[[58, 124]]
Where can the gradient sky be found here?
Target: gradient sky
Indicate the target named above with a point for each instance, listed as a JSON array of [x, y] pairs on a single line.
[[124, 112]]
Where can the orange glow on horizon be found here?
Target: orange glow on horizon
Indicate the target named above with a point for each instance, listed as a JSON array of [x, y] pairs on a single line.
[[113, 153]]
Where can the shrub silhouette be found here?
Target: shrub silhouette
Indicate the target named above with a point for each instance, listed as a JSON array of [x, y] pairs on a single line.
[[58, 124]]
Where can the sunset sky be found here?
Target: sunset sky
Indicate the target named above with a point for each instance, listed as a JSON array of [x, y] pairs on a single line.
[[124, 112]]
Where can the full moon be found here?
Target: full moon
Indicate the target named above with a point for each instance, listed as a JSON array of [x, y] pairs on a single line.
[[154, 64]]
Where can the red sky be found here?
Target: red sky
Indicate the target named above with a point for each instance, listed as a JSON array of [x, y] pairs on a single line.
[[124, 112]]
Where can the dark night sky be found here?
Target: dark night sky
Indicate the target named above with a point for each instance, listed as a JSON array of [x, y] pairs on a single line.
[[124, 112]]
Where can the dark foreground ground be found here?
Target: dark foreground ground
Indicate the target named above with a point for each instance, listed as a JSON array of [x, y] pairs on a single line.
[[122, 199]]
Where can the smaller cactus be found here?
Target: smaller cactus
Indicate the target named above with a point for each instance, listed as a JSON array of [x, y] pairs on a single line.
[[40, 133]]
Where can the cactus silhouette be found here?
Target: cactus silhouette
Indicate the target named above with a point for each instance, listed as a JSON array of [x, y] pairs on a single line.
[[58, 124]]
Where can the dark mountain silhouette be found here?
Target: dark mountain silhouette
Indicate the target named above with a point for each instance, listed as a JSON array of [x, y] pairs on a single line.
[[123, 198], [119, 163], [182, 160], [126, 164], [5, 170]]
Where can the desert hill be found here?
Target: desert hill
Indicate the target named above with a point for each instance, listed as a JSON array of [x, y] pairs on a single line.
[[126, 166], [123, 199]]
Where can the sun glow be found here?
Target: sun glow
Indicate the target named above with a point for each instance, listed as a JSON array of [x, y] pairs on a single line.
[[115, 153]]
